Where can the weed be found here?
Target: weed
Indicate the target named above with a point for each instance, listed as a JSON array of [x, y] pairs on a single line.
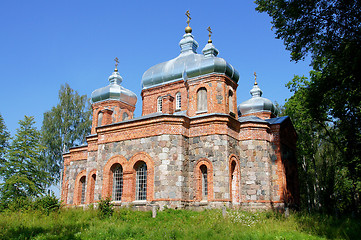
[[105, 208]]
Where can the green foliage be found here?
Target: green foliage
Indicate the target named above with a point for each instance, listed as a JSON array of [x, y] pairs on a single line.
[[319, 27], [65, 125], [44, 204], [47, 203], [4, 140], [325, 184], [174, 224], [105, 208], [330, 31], [23, 167], [19, 204]]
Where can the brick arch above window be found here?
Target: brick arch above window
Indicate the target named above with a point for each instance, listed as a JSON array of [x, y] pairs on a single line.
[[133, 162], [77, 187], [108, 174], [198, 179]]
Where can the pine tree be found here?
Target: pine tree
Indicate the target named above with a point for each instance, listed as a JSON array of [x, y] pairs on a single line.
[[23, 167]]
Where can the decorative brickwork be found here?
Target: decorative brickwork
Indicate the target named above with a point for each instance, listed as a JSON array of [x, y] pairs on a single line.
[[114, 110]]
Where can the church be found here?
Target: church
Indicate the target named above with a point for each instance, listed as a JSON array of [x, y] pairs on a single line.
[[192, 148]]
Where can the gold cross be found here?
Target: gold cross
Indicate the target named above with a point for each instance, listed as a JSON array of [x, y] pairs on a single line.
[[255, 78], [210, 34], [116, 64], [188, 17]]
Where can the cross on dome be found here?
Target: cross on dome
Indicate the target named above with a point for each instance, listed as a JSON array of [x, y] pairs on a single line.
[[188, 28], [210, 34], [116, 64], [255, 78]]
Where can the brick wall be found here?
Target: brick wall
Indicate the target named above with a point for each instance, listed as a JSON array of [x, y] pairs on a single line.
[[218, 87]]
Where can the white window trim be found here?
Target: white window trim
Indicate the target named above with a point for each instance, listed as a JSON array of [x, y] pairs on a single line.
[[178, 101], [159, 104]]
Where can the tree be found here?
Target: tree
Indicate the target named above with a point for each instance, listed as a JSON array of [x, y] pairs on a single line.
[[23, 168], [4, 139], [65, 125], [317, 153], [330, 31]]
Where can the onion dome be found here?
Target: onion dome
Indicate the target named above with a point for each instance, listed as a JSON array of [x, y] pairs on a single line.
[[256, 103], [114, 91], [189, 64]]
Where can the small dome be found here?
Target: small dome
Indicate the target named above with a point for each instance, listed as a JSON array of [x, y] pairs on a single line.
[[256, 103], [114, 91], [189, 64]]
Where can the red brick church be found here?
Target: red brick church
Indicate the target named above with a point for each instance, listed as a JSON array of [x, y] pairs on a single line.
[[193, 147]]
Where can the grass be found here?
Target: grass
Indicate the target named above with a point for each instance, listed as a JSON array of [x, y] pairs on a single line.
[[174, 224]]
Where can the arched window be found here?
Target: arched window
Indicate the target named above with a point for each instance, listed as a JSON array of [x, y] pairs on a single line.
[[159, 104], [125, 116], [82, 192], [202, 100], [141, 181], [204, 182], [100, 118], [178, 102], [117, 182], [230, 101]]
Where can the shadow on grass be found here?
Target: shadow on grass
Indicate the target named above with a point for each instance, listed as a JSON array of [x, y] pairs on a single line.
[[330, 227], [57, 232]]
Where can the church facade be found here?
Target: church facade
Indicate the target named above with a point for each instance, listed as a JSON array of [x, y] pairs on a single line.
[[193, 147]]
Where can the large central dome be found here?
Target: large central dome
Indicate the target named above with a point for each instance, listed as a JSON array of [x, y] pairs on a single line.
[[188, 65]]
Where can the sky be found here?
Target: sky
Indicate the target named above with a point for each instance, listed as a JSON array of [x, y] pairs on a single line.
[[45, 44]]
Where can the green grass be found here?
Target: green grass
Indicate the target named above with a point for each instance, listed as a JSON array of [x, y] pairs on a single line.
[[174, 224]]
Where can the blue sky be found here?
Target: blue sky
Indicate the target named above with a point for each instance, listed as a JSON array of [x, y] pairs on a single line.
[[44, 44]]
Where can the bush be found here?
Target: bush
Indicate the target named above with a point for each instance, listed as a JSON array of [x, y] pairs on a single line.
[[105, 208], [18, 204], [48, 203]]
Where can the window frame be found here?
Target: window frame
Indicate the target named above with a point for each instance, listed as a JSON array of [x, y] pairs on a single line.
[[159, 104], [82, 181], [202, 95], [118, 182], [204, 178], [141, 181], [178, 101]]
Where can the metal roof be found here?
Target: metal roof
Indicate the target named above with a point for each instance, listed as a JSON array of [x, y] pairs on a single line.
[[188, 65]]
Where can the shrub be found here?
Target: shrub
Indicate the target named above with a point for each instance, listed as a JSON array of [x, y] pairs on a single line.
[[105, 208], [19, 204], [48, 203]]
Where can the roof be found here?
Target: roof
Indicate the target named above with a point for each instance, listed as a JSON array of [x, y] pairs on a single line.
[[188, 65], [277, 120]]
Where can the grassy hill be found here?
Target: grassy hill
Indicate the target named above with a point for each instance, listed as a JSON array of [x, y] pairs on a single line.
[[173, 224]]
